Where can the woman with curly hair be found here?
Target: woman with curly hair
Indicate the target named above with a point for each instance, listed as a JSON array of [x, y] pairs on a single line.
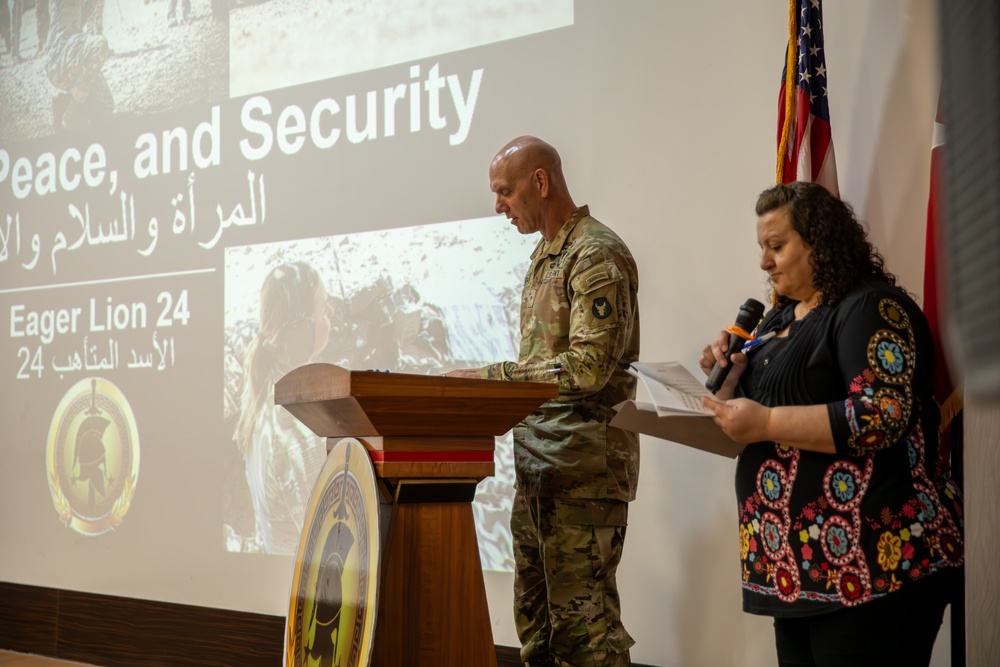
[[850, 530]]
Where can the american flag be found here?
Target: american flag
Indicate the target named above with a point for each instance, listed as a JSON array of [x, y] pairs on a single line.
[[805, 145]]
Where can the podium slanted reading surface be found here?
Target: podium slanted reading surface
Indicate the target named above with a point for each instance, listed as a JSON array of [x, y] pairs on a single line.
[[431, 440]]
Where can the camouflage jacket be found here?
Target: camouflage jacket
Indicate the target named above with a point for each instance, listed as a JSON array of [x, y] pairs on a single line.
[[579, 328]]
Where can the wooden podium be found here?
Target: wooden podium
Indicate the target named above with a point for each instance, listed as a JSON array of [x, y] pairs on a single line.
[[431, 440]]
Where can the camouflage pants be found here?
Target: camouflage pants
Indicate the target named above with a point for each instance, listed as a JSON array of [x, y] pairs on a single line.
[[566, 606]]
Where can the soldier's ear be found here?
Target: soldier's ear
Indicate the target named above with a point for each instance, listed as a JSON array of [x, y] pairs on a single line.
[[540, 179]]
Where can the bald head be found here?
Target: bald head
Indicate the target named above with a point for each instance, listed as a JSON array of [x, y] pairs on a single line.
[[527, 177], [526, 154]]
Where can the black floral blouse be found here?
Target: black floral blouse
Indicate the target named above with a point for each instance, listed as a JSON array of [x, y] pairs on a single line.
[[824, 531]]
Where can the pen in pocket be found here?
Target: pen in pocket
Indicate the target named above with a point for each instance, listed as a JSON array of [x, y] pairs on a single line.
[[751, 344]]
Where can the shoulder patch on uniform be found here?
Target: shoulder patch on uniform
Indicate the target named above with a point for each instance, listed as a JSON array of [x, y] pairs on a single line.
[[596, 277], [601, 307]]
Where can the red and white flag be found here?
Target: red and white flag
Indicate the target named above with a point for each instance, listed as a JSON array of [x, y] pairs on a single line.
[[946, 391]]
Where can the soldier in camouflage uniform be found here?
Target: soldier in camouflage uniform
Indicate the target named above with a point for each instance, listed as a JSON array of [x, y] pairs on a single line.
[[575, 474], [75, 55]]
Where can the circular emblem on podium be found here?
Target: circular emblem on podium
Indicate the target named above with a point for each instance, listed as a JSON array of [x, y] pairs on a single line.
[[334, 594], [92, 457]]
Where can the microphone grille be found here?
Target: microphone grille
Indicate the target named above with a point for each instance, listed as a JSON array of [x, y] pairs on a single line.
[[750, 314]]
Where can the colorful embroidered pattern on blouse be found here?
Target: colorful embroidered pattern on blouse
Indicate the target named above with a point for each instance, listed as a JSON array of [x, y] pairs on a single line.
[[858, 539], [881, 396], [817, 553]]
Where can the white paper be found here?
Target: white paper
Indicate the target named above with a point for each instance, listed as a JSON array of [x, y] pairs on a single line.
[[672, 388]]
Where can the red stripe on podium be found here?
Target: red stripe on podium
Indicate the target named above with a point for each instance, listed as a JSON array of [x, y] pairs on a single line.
[[446, 456]]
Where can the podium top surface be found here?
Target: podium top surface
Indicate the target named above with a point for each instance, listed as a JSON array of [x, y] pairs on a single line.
[[337, 402]]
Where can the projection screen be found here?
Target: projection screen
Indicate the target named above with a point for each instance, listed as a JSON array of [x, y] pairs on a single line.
[[159, 167]]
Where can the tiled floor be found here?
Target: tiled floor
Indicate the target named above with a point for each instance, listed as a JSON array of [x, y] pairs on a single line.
[[10, 659]]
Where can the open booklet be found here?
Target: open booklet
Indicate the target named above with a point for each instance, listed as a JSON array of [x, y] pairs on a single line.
[[672, 388], [676, 413]]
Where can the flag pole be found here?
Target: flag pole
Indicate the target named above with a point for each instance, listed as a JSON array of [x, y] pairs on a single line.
[[790, 66]]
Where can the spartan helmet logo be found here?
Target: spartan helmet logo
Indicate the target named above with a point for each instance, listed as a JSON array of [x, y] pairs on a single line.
[[92, 457], [329, 597], [324, 626], [89, 457]]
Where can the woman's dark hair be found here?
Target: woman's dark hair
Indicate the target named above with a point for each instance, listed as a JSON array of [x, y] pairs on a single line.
[[841, 251]]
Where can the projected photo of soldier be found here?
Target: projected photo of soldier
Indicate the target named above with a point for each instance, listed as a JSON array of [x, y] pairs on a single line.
[[281, 456], [401, 300], [381, 327], [74, 63], [10, 27], [13, 14], [71, 64]]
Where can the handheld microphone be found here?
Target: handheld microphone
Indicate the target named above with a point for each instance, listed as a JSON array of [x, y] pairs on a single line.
[[746, 321]]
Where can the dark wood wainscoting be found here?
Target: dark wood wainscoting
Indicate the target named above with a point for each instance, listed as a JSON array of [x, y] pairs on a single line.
[[118, 632], [128, 632]]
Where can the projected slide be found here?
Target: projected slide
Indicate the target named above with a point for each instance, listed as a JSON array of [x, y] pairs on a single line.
[[182, 223]]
